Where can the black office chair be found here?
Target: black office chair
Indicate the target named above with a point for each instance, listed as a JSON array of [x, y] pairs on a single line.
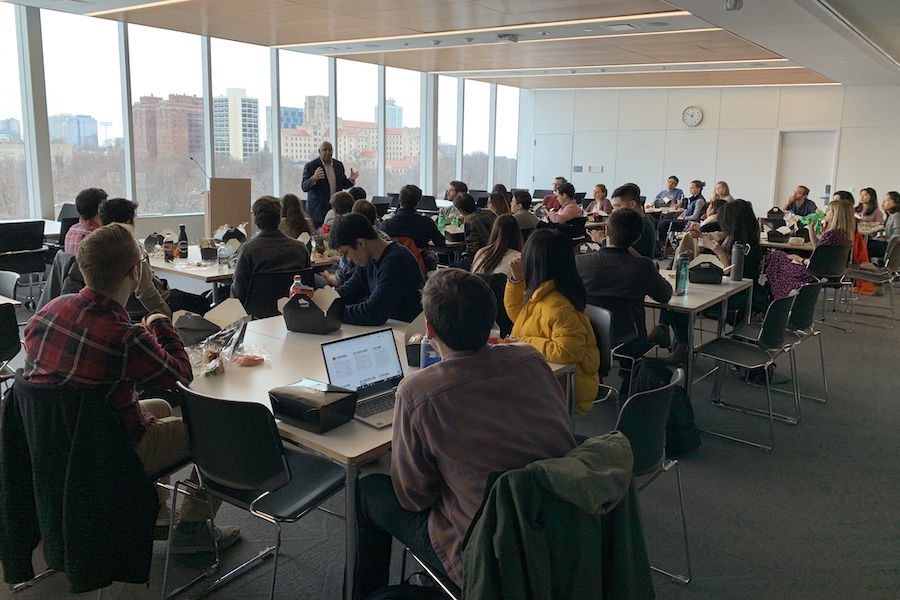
[[240, 459], [266, 288], [22, 251], [884, 276], [831, 263], [769, 345], [643, 420], [602, 323], [65, 224], [10, 344]]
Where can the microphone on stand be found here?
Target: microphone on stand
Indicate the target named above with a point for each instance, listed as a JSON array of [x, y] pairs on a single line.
[[199, 167]]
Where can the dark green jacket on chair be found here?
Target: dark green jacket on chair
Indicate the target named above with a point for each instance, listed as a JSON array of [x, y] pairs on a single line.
[[561, 528]]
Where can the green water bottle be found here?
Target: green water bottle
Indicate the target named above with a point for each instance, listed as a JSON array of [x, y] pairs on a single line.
[[441, 224]]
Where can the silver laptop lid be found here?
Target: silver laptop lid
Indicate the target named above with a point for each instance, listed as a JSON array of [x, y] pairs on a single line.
[[368, 363]]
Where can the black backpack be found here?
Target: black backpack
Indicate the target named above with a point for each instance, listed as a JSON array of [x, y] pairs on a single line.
[[682, 434]]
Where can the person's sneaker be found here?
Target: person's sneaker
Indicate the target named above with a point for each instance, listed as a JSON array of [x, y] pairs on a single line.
[[201, 541], [659, 336], [676, 357]]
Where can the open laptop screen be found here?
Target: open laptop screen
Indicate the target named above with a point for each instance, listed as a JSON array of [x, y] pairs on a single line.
[[370, 360]]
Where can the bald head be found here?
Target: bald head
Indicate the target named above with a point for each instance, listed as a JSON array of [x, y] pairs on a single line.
[[325, 152]]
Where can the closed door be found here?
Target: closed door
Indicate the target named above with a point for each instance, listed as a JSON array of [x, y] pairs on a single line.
[[806, 158], [552, 158]]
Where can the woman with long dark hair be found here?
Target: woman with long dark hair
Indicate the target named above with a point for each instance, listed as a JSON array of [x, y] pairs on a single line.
[[294, 219], [504, 245], [545, 298], [867, 210]]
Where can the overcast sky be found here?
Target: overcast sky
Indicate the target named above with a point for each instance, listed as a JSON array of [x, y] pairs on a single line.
[[81, 62]]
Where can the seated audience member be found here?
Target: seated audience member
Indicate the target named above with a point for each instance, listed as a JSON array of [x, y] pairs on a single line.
[[154, 293], [498, 202], [521, 210], [387, 279], [615, 273], [476, 227], [568, 208], [669, 197], [629, 196], [341, 204], [710, 220], [721, 190], [499, 188], [86, 340], [269, 250], [867, 210], [455, 190], [877, 246], [600, 203], [346, 267], [551, 201], [504, 245], [357, 192], [447, 439], [294, 219], [799, 202], [694, 209], [787, 272], [739, 226], [545, 299], [87, 203], [406, 222]]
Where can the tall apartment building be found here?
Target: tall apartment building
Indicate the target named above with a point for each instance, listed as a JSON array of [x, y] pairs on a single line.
[[315, 113], [10, 130], [57, 126], [291, 118], [81, 130], [393, 114], [172, 127], [236, 124]]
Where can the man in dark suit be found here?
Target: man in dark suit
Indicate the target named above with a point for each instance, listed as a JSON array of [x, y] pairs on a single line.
[[322, 178]]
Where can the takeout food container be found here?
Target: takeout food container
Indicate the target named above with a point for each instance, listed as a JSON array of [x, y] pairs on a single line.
[[454, 234], [313, 410], [796, 241]]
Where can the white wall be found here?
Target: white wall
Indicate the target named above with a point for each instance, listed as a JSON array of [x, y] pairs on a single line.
[[638, 135]]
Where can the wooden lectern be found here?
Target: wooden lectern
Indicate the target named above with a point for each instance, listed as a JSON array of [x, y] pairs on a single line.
[[228, 201]]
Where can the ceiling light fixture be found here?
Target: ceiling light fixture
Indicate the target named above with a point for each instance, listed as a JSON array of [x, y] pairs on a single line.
[[468, 39], [508, 37], [435, 42], [112, 11], [734, 4]]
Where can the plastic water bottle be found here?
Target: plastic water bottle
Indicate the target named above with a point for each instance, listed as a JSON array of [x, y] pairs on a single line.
[[428, 355], [223, 253], [298, 287], [494, 335], [682, 266], [440, 224], [168, 249]]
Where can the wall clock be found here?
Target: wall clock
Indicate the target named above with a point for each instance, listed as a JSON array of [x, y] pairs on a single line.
[[692, 116]]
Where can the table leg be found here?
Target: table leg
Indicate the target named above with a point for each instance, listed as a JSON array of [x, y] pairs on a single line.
[[350, 524]]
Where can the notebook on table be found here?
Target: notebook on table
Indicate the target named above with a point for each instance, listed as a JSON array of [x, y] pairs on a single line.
[[370, 365]]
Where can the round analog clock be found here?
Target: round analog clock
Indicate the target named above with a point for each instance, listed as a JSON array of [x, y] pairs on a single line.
[[692, 116]]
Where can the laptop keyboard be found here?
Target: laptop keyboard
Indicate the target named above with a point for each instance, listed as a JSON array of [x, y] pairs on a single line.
[[375, 404]]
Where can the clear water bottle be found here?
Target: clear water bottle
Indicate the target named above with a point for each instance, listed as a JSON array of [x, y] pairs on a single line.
[[682, 266], [223, 254], [298, 287], [428, 355]]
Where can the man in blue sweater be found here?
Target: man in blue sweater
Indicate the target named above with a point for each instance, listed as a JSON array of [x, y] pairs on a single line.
[[387, 281]]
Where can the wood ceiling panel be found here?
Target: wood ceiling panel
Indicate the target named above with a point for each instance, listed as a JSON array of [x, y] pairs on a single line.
[[664, 48], [670, 79]]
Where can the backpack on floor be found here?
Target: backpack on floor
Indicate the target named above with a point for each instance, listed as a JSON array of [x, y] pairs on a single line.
[[681, 432]]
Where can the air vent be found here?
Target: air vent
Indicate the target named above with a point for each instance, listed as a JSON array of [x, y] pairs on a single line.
[[621, 27]]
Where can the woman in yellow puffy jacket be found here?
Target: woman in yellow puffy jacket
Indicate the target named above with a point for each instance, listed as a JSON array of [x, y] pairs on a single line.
[[545, 299]]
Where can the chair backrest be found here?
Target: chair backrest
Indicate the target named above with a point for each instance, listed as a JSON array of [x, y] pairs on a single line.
[[624, 317], [8, 282], [21, 235], [9, 333], [65, 224], [771, 334], [574, 228], [266, 288], [67, 211], [892, 256], [497, 283], [804, 310], [235, 444], [410, 244], [601, 321], [829, 261], [643, 421]]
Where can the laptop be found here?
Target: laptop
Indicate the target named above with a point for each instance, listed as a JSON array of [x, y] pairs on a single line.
[[370, 364], [382, 204], [428, 204]]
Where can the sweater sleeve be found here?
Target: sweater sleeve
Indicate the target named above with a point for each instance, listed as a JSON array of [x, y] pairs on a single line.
[[148, 295], [414, 469], [565, 338], [391, 282], [658, 288], [513, 299]]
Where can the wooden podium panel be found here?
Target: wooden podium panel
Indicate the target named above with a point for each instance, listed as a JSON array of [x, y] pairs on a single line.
[[229, 202]]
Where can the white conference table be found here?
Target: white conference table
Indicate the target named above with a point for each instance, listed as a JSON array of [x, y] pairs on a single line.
[[294, 356], [698, 298], [15, 303]]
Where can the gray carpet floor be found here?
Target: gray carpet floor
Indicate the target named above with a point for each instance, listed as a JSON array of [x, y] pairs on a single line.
[[817, 517]]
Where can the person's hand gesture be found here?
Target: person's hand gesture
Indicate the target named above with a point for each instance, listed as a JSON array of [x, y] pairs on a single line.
[[319, 174], [353, 175], [597, 235], [516, 271]]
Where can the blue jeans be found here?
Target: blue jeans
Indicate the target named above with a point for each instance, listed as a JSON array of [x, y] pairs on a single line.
[[379, 519]]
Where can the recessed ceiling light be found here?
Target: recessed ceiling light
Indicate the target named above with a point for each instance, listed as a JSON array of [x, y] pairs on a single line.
[[468, 39], [588, 28], [543, 33], [621, 27]]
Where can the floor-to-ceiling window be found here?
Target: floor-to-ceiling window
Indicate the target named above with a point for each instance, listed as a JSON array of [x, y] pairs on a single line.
[[84, 104], [13, 186], [475, 134], [357, 136], [507, 136], [305, 106], [447, 144], [167, 120], [241, 85], [402, 134]]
